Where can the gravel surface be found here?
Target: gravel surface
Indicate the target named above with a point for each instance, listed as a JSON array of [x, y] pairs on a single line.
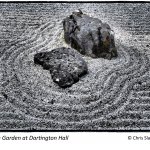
[[115, 95]]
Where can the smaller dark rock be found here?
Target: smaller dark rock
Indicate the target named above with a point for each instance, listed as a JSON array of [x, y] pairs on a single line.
[[65, 64]]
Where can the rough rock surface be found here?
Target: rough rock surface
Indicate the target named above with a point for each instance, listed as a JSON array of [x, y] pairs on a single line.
[[65, 64], [89, 35]]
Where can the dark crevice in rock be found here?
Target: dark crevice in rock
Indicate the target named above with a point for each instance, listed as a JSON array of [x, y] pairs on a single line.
[[5, 95]]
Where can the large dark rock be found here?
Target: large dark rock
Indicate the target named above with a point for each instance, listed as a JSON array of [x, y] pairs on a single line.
[[89, 36], [65, 64]]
